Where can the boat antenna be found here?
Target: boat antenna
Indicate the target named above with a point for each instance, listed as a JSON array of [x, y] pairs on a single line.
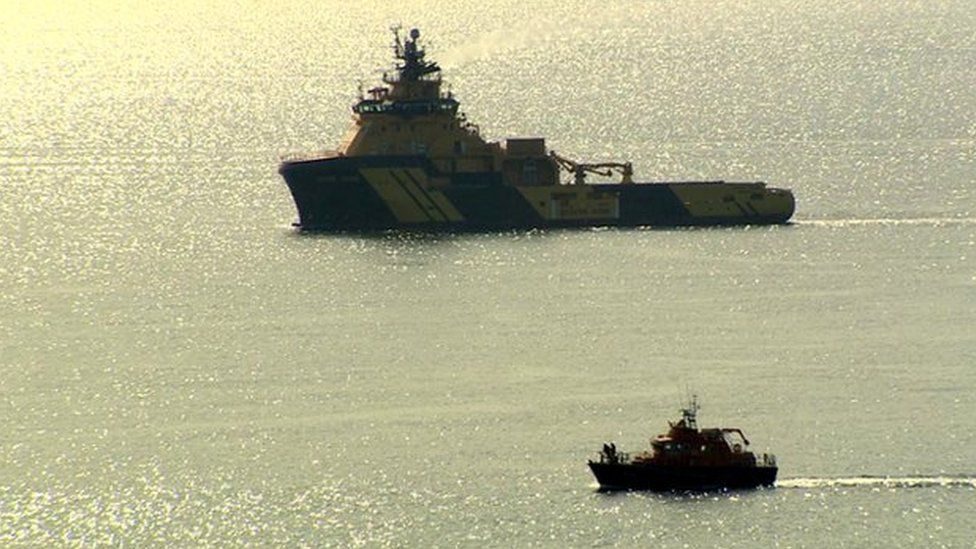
[[397, 44], [689, 415]]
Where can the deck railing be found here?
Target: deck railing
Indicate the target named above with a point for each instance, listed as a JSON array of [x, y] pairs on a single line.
[[304, 157], [618, 457]]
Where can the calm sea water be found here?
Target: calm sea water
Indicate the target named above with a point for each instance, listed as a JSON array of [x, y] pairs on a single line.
[[180, 367]]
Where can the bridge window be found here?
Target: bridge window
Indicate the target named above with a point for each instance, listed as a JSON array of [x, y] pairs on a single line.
[[529, 173]]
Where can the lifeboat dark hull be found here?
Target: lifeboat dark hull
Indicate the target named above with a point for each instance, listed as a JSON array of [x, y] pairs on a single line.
[[407, 192], [643, 476]]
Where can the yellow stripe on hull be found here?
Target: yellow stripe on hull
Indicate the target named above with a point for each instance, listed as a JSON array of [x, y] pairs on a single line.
[[730, 200], [404, 206], [570, 203], [444, 206]]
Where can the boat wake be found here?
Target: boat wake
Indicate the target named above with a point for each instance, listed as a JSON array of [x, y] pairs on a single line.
[[918, 221], [877, 482]]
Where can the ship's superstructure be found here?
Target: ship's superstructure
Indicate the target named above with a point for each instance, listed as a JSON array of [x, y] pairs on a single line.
[[412, 160]]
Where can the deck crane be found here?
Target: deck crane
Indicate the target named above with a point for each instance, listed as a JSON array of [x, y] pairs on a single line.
[[606, 169]]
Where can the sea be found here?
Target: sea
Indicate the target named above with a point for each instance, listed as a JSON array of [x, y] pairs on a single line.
[[181, 367]]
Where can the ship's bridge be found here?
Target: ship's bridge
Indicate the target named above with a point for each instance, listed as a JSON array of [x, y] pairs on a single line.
[[448, 106]]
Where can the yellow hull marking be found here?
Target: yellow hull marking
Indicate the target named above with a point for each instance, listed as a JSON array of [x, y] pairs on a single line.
[[417, 193], [774, 203], [714, 200], [437, 198], [539, 198], [403, 205], [554, 203]]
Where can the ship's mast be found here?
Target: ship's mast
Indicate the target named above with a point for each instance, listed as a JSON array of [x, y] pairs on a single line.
[[414, 67], [414, 78], [689, 415]]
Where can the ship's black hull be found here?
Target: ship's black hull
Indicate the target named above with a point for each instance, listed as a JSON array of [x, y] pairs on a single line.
[[639, 476], [379, 193]]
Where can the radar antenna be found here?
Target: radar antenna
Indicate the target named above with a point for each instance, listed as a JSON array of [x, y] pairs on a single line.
[[407, 50]]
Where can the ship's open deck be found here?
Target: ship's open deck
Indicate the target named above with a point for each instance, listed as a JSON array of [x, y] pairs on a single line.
[[308, 156]]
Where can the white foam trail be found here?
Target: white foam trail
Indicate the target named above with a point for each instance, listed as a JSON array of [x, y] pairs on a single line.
[[877, 482], [924, 221]]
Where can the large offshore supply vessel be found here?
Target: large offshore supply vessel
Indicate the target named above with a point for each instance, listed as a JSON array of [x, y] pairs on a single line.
[[411, 160]]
